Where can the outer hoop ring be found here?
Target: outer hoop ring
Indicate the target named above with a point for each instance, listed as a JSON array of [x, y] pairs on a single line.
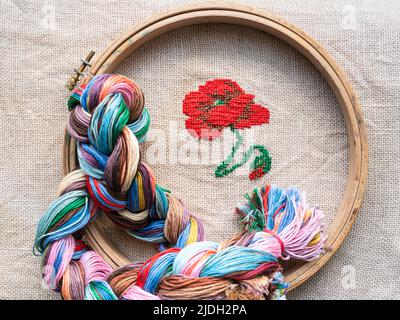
[[314, 52]]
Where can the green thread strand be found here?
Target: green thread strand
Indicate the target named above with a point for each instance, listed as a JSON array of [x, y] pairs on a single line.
[[257, 222], [145, 128], [123, 118], [77, 203]]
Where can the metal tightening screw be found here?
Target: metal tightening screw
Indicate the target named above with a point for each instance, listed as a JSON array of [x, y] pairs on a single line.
[[71, 83]]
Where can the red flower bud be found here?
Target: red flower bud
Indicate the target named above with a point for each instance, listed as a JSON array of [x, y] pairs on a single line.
[[256, 174]]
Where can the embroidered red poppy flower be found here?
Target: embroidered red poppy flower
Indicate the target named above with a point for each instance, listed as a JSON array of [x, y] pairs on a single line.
[[218, 104], [222, 103]]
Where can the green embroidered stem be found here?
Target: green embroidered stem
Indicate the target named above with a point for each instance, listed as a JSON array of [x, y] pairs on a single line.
[[260, 166]]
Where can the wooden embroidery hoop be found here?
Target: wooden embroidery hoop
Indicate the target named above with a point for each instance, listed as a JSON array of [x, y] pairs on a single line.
[[250, 17]]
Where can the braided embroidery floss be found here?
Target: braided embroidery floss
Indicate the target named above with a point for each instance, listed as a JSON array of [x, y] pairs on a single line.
[[104, 119], [278, 225], [222, 103]]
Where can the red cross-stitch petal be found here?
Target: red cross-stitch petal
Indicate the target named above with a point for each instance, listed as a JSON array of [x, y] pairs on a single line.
[[195, 103], [254, 116], [221, 87], [200, 129], [223, 116]]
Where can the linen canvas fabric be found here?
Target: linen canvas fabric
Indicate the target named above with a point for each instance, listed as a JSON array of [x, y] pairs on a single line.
[[42, 41]]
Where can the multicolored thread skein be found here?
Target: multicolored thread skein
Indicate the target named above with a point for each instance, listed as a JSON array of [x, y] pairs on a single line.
[[108, 120]]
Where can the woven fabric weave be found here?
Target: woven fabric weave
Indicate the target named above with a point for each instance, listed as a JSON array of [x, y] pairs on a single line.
[[42, 41]]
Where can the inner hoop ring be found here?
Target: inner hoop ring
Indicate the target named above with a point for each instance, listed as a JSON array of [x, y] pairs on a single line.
[[314, 52]]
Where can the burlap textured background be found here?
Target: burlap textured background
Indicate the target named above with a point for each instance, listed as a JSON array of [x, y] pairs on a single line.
[[42, 41]]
